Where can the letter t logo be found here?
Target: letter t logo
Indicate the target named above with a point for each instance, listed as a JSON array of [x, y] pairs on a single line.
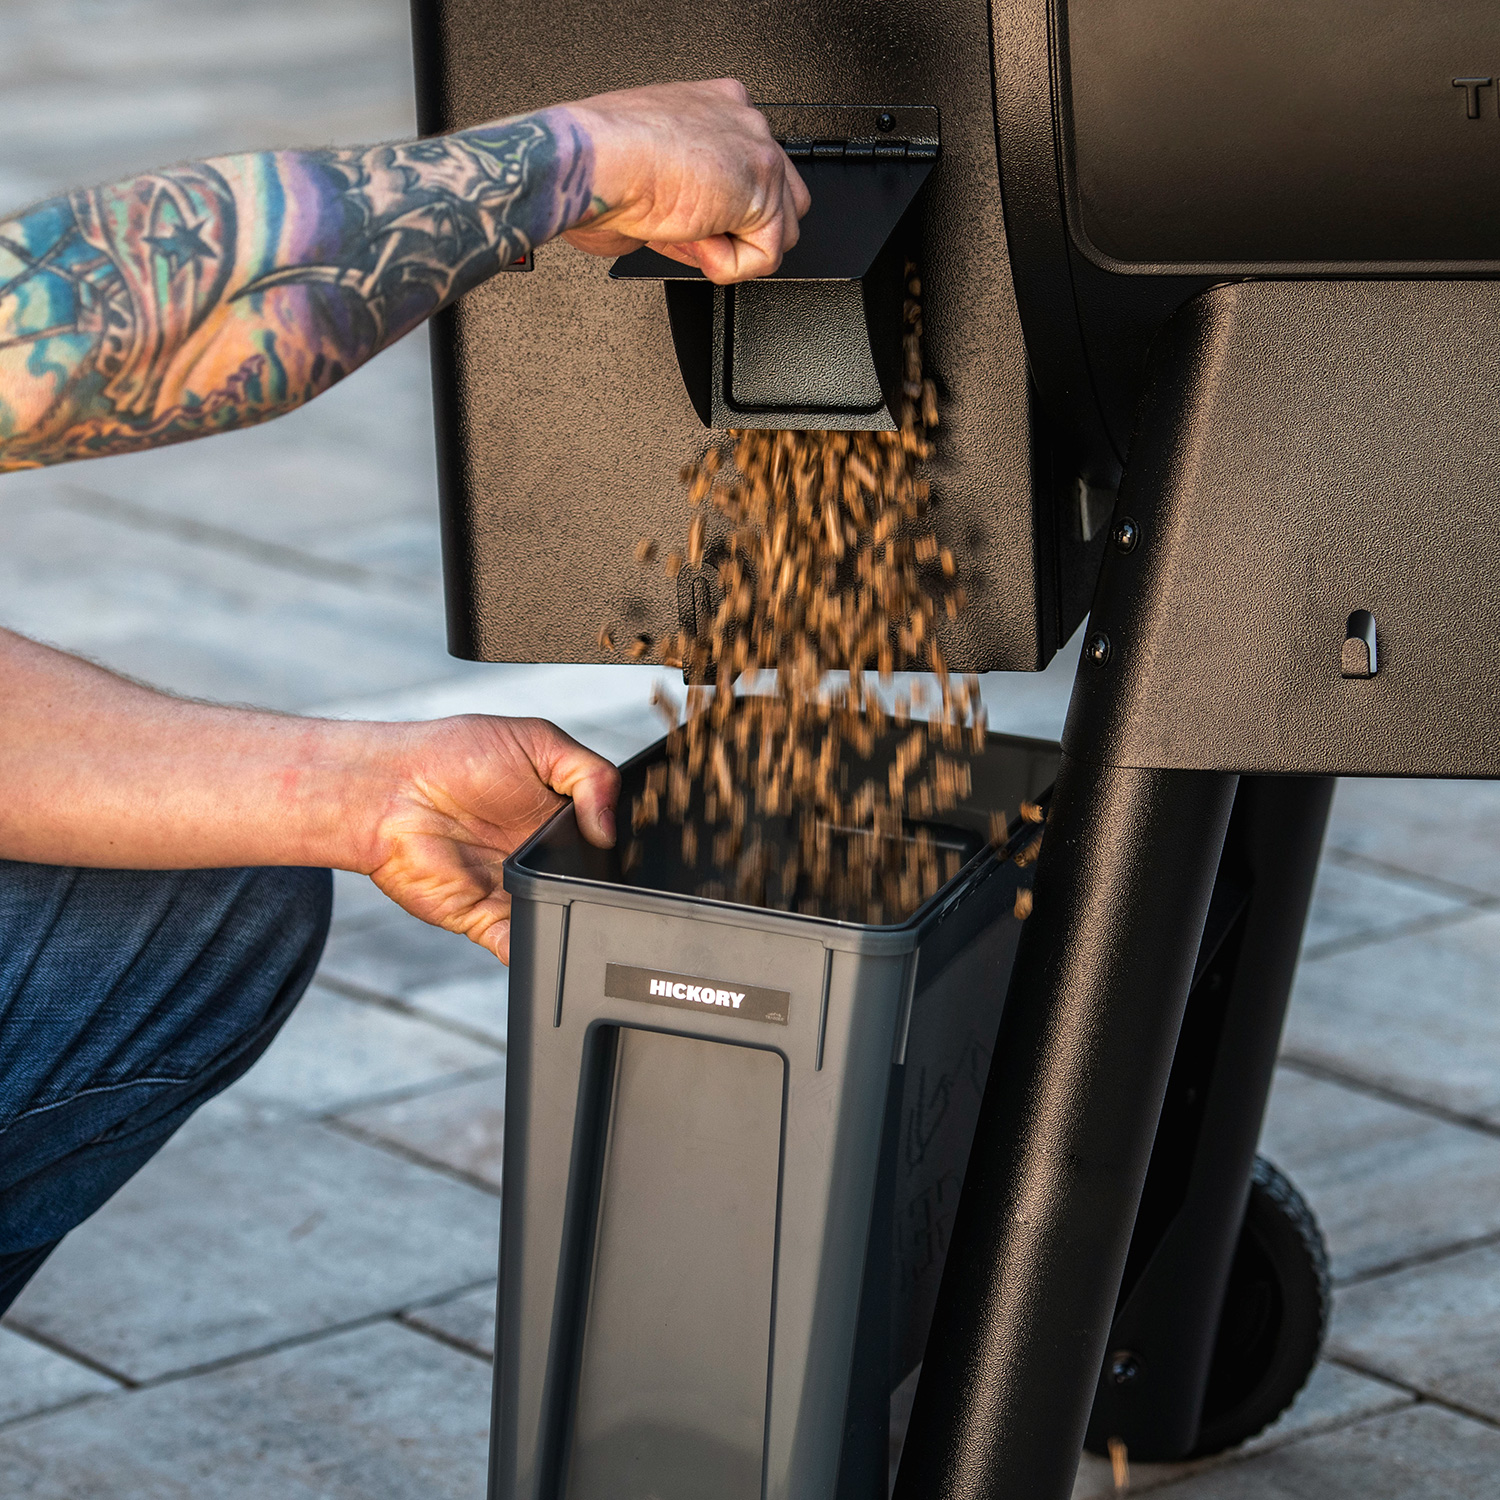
[[1471, 88]]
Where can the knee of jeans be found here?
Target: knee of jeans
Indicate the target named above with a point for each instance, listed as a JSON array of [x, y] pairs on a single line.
[[290, 909], [261, 962]]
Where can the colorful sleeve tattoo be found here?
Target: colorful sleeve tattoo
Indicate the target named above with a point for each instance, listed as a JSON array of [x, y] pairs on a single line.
[[210, 296]]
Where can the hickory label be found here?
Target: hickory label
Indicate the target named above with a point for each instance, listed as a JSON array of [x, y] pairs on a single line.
[[692, 992]]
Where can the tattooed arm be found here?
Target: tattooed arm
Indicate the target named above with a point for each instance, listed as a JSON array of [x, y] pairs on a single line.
[[221, 293]]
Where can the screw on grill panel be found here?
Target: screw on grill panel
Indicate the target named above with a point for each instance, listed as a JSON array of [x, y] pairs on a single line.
[[1124, 1367], [1097, 648], [1126, 535]]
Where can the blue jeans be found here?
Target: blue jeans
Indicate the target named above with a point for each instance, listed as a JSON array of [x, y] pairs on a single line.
[[127, 999]]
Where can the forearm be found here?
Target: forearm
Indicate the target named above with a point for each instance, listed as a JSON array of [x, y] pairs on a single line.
[[221, 293], [98, 771]]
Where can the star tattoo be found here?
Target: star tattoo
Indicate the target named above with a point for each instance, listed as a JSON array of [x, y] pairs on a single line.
[[182, 244]]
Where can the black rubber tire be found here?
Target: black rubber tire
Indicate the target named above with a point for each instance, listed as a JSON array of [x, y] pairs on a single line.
[[1274, 1318]]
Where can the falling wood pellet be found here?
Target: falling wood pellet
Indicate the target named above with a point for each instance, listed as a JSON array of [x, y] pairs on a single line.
[[1119, 1463], [1023, 903], [825, 560]]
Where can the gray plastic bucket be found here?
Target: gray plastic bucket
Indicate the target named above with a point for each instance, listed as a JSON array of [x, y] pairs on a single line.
[[734, 1143]]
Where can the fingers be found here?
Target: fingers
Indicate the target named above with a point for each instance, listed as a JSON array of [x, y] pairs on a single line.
[[594, 785], [751, 253], [495, 937], [801, 198], [791, 219], [693, 170], [728, 258], [686, 254], [745, 254]]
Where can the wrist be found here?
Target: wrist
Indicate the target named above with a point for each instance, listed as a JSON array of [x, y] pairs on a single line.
[[344, 779], [588, 146]]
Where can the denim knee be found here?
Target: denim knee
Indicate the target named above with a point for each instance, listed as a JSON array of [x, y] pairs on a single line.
[[127, 999]]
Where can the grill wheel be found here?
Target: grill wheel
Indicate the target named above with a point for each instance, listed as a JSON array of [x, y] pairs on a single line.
[[1274, 1318]]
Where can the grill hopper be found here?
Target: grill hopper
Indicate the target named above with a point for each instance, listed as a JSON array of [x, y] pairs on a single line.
[[563, 417]]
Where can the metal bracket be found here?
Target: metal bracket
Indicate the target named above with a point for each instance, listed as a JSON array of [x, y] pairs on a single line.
[[1303, 446]]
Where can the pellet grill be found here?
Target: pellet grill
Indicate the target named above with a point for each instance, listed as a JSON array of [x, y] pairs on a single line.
[[1209, 292]]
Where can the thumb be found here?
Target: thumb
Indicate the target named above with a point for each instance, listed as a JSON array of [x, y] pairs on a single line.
[[593, 784], [496, 937]]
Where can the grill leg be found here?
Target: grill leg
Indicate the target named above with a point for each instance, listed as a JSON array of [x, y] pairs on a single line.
[[1065, 1133], [1194, 1200]]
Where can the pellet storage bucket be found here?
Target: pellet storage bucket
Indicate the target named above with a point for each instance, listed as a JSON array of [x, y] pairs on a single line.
[[734, 1140]]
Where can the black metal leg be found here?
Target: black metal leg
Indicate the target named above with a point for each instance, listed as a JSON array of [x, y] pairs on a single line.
[[1152, 1385], [1065, 1133]]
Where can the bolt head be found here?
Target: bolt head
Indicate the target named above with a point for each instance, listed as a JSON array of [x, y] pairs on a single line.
[[1097, 648], [886, 122], [1123, 1367], [1126, 535]]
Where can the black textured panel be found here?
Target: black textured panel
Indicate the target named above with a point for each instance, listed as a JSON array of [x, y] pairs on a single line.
[[562, 413], [1307, 450], [1242, 134]]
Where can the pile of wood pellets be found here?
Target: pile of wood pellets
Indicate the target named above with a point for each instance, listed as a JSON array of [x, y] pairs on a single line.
[[810, 791]]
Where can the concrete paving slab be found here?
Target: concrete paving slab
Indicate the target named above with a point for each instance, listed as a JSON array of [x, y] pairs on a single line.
[[356, 898], [382, 1413], [1333, 1397], [461, 1126], [1449, 830], [396, 954], [336, 1053], [1033, 703], [614, 746], [332, 478], [606, 706], [1417, 1015], [18, 189], [236, 1242], [597, 695], [167, 38], [1419, 1453], [1018, 702], [478, 1004], [111, 87], [36, 1379], [1434, 1327], [1355, 906], [198, 621], [468, 1320], [1386, 1183]]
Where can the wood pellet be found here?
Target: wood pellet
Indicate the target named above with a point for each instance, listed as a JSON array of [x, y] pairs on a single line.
[[830, 564]]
